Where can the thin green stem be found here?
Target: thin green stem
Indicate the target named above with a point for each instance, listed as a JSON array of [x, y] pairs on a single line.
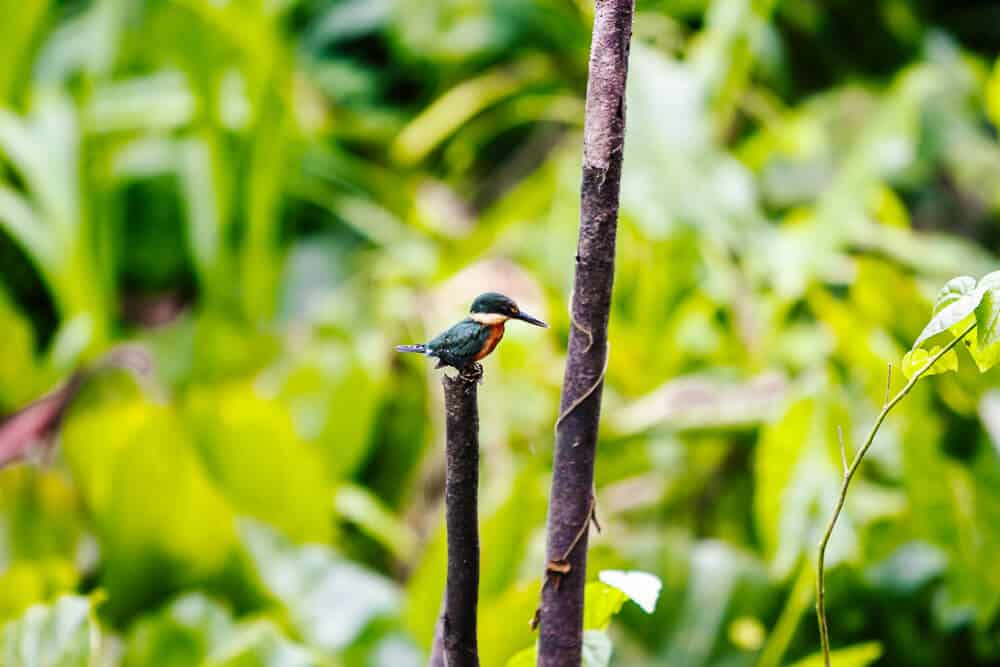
[[824, 631]]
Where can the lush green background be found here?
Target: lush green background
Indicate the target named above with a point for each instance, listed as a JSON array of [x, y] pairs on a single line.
[[271, 193]]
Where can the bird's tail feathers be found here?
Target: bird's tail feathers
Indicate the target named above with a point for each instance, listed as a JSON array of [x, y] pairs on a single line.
[[419, 349]]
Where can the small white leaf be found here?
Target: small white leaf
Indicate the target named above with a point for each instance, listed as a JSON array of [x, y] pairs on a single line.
[[642, 588]]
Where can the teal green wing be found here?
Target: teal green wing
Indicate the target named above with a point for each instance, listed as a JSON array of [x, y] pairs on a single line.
[[460, 344]]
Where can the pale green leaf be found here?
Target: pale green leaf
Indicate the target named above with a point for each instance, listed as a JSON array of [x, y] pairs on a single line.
[[596, 649], [917, 358], [20, 222], [330, 600], [64, 634], [861, 655], [196, 630], [957, 300]]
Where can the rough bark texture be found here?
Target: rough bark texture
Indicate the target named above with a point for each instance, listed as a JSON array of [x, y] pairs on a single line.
[[458, 623], [570, 505]]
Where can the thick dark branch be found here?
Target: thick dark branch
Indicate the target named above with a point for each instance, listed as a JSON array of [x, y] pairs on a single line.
[[458, 623], [570, 505]]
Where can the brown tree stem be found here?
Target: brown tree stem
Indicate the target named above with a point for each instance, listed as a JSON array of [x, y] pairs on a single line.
[[457, 625], [561, 611]]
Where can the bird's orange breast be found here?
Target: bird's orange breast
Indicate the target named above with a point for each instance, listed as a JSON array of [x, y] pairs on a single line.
[[496, 333]]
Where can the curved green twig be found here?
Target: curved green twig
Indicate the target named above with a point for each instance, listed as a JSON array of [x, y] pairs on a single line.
[[824, 632]]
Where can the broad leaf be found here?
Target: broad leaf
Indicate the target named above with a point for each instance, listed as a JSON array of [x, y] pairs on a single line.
[[250, 447], [917, 358], [330, 600], [956, 301], [161, 522]]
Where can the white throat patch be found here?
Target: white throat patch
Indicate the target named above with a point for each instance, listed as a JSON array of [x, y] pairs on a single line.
[[489, 319]]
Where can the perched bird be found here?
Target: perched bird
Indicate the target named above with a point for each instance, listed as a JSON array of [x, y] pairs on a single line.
[[477, 335]]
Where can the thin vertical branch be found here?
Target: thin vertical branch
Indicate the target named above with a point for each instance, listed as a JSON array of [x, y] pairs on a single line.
[[571, 500], [458, 622], [824, 630]]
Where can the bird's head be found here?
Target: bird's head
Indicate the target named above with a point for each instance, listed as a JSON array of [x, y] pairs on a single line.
[[495, 308]]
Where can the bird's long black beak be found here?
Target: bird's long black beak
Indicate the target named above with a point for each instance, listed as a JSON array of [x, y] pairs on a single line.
[[524, 317]]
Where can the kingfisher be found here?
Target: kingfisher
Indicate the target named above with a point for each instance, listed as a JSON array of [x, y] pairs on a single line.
[[477, 335]]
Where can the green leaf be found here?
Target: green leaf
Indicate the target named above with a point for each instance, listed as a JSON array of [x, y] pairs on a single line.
[[161, 522], [861, 655], [642, 588], [956, 301], [797, 481], [504, 623], [596, 652], [196, 630], [600, 603], [986, 350], [19, 377], [993, 95], [250, 446], [64, 634], [526, 658], [330, 600], [917, 358], [364, 509]]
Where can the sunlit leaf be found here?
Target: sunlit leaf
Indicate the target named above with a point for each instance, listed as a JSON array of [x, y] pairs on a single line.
[[987, 347], [642, 588], [917, 358], [250, 447], [125, 453], [957, 300], [601, 602]]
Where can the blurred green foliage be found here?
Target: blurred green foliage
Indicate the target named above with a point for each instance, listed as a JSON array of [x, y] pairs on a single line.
[[271, 194]]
